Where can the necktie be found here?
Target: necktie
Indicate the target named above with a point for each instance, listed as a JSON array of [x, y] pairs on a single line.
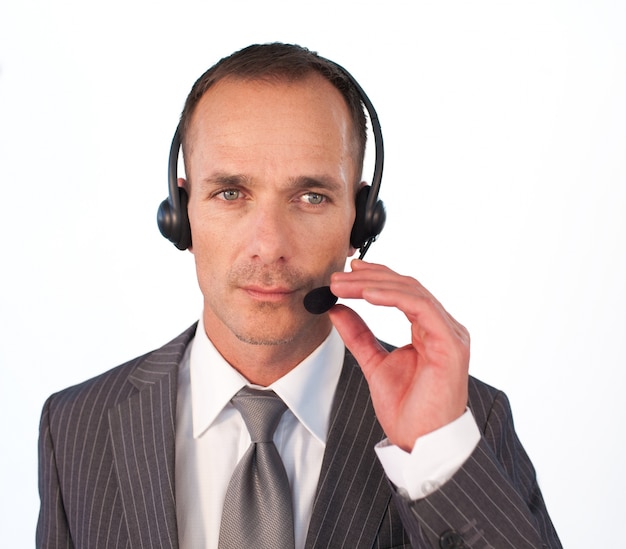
[[257, 509]]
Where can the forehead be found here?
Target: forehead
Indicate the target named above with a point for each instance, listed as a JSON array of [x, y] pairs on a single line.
[[305, 109]]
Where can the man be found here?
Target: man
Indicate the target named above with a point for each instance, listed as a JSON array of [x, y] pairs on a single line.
[[382, 447]]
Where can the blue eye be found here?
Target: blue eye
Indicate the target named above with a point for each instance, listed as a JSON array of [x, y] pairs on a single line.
[[230, 194], [314, 198]]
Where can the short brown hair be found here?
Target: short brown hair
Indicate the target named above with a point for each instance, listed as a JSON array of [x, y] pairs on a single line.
[[274, 62]]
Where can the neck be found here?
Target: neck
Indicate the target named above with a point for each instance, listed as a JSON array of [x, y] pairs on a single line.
[[262, 363]]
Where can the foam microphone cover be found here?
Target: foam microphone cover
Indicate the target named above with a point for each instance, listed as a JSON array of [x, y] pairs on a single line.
[[319, 300]]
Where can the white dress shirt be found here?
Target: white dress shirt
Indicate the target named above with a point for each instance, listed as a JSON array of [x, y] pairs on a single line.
[[211, 438]]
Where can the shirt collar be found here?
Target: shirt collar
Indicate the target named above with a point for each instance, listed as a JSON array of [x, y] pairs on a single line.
[[308, 389]]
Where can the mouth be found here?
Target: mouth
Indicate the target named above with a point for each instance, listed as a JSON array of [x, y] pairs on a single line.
[[273, 294]]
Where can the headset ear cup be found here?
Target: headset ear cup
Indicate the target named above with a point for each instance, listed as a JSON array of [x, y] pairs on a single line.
[[184, 239], [174, 224], [164, 219], [367, 224], [359, 234], [377, 219]]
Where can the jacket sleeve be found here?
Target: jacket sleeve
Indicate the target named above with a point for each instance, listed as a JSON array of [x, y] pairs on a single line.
[[52, 527], [493, 501]]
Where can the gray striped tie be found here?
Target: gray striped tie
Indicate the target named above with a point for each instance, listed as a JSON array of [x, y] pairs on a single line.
[[257, 509]]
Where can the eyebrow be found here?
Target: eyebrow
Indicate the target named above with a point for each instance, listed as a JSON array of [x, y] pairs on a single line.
[[322, 182], [302, 182], [219, 179]]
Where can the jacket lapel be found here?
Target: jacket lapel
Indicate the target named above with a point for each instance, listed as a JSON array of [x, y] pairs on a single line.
[[143, 437], [353, 494]]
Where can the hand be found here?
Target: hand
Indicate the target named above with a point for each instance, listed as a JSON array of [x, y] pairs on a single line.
[[417, 388]]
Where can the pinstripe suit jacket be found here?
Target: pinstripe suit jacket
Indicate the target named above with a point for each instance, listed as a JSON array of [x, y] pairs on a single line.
[[106, 471]]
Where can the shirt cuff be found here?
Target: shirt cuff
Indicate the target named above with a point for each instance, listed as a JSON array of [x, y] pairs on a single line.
[[434, 459]]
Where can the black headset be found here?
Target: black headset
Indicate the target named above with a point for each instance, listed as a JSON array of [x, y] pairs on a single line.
[[173, 219]]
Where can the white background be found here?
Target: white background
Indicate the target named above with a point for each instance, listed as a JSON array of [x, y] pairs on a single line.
[[505, 134]]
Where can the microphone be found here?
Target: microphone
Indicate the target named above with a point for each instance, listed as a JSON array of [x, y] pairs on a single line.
[[319, 300]]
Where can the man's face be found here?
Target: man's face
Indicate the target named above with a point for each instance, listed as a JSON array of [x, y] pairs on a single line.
[[271, 182]]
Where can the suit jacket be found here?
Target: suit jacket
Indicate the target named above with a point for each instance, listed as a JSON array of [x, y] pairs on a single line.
[[106, 471]]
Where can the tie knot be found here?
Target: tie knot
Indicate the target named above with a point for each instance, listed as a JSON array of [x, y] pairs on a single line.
[[261, 411]]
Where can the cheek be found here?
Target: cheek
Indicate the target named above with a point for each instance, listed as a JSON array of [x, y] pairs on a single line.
[[329, 241], [213, 247]]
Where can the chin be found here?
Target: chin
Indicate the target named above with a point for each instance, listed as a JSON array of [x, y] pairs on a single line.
[[263, 340], [263, 324], [273, 330]]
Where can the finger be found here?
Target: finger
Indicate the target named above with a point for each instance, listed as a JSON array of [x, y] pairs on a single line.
[[411, 300], [422, 310], [357, 337], [381, 286], [362, 268], [360, 264], [369, 274], [355, 286]]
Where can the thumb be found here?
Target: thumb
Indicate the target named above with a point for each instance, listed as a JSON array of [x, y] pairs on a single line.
[[358, 338]]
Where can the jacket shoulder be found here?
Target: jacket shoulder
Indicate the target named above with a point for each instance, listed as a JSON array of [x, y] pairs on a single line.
[[119, 382]]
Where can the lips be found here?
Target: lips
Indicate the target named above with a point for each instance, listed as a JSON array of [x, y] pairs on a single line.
[[264, 293]]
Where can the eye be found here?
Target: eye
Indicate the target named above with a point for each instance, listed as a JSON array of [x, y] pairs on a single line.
[[313, 198], [230, 194]]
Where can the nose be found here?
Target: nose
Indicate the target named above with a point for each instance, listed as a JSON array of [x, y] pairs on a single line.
[[270, 234]]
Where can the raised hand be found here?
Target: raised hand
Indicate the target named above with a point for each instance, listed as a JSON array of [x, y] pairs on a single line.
[[417, 388]]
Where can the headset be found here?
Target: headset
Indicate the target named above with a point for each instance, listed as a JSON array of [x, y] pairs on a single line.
[[173, 219]]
